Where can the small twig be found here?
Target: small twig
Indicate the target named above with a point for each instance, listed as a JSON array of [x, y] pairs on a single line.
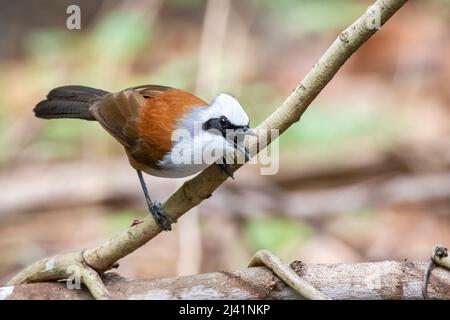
[[439, 258], [286, 274], [136, 222]]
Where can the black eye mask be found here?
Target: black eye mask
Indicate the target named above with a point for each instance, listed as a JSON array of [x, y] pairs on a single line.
[[222, 124]]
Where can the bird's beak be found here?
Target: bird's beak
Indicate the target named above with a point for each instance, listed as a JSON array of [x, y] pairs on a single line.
[[240, 135], [250, 132]]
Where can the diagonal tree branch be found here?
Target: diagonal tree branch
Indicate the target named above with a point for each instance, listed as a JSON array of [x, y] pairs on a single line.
[[201, 187]]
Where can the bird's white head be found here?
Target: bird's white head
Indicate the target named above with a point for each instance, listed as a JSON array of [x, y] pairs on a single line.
[[224, 112], [224, 125], [226, 106], [217, 129]]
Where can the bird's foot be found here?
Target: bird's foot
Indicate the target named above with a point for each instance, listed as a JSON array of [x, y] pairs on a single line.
[[160, 216], [226, 169]]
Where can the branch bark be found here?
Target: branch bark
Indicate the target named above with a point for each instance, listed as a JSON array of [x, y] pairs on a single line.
[[194, 191], [376, 280]]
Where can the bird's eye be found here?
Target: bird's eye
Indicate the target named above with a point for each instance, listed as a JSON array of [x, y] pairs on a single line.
[[223, 121]]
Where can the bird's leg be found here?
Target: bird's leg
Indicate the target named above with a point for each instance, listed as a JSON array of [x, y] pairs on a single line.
[[155, 208], [225, 168]]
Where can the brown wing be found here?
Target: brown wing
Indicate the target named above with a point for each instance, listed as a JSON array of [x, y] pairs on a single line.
[[143, 118], [150, 90]]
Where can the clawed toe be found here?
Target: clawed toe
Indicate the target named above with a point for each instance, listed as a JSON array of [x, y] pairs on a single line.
[[160, 216]]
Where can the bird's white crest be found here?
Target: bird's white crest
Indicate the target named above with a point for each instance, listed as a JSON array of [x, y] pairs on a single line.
[[222, 105], [226, 105]]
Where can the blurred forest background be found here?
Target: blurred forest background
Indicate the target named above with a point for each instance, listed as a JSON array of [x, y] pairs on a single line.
[[364, 176]]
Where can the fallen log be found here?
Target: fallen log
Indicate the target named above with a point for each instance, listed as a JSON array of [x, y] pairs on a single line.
[[373, 280]]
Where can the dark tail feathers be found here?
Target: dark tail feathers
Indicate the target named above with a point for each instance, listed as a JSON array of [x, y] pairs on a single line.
[[68, 102]]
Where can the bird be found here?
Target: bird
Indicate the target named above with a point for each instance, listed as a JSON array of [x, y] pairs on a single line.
[[147, 120]]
